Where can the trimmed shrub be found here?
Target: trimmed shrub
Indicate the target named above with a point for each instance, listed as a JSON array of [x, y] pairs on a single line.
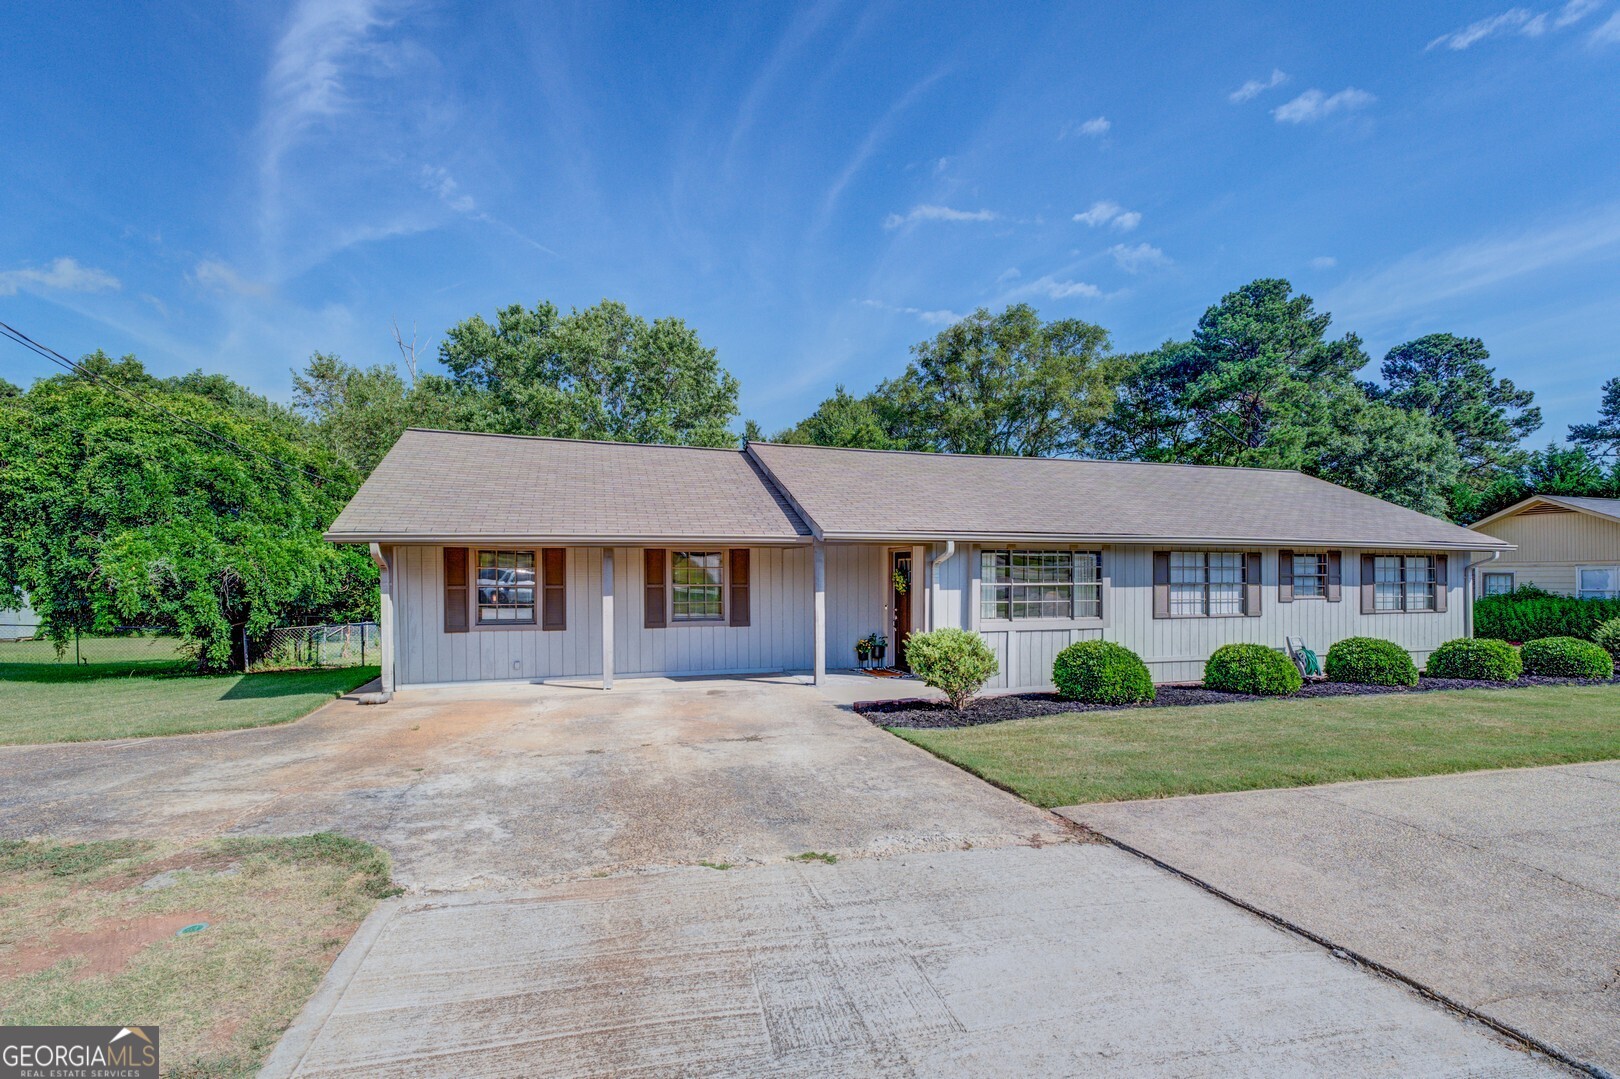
[[954, 661], [1566, 657], [1475, 658], [1528, 614], [1607, 636], [1102, 672], [1370, 661], [1251, 668]]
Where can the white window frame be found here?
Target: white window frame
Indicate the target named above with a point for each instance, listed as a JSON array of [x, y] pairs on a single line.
[[1610, 593], [1484, 589], [1074, 584], [1405, 585], [536, 589], [1204, 584], [725, 584], [1320, 575], [980, 620]]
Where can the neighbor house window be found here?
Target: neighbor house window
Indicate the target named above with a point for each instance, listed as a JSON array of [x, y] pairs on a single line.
[[1310, 575], [1206, 583], [696, 586], [1598, 582], [1403, 583], [1496, 584], [1061, 585], [505, 587]]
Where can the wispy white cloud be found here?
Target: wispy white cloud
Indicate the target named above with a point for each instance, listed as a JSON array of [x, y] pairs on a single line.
[[438, 180], [1608, 33], [222, 277], [1138, 257], [1255, 87], [1011, 273], [1515, 20], [1324, 262], [1110, 213], [1424, 279], [62, 275], [929, 212], [1313, 105], [1058, 289], [939, 317]]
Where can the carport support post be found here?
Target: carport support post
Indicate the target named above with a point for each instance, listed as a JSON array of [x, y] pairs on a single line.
[[385, 628], [607, 617], [820, 675]]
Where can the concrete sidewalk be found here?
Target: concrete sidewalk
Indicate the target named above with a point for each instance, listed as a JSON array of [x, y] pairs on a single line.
[[1500, 890], [1076, 959]]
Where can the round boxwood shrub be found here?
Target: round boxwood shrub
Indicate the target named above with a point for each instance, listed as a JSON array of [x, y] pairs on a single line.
[[1251, 668], [1102, 672], [1477, 658], [1371, 662], [1607, 636], [1566, 657], [952, 660]]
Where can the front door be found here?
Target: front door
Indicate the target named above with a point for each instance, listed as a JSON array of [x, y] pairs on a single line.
[[900, 600]]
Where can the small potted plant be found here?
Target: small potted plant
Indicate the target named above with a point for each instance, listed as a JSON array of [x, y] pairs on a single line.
[[879, 646], [863, 651]]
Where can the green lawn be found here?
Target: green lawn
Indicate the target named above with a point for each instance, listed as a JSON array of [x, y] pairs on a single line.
[[91, 657], [45, 704], [1159, 752]]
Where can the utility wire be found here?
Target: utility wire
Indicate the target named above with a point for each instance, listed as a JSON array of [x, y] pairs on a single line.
[[14, 334]]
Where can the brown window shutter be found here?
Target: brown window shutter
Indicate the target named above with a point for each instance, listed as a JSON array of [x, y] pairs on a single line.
[[1161, 584], [554, 588], [455, 590], [1368, 606], [1335, 576], [1285, 576], [1440, 583], [1251, 586], [654, 601], [739, 586]]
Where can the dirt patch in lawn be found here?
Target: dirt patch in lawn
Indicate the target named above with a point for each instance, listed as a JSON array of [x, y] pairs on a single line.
[[917, 714], [90, 934]]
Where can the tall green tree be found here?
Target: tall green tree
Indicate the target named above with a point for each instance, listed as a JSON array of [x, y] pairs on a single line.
[[1602, 437], [357, 413], [1447, 378], [1004, 383], [843, 420], [113, 512], [598, 373], [1555, 470]]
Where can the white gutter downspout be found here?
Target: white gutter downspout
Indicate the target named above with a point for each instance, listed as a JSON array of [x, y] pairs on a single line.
[[385, 628], [933, 582], [1469, 590]]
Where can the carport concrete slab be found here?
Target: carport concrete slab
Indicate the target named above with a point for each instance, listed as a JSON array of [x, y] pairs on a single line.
[[1072, 959], [1496, 889], [514, 784]]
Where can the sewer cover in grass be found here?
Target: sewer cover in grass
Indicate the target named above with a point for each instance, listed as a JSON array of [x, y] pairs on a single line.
[[194, 927]]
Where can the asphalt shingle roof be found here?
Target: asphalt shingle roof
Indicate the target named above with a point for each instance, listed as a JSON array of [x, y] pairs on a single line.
[[853, 493], [442, 484]]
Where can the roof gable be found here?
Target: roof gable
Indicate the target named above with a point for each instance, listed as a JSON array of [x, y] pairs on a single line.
[[1607, 508]]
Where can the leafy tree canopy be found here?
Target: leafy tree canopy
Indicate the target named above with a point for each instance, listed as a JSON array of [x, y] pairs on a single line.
[[358, 413], [1446, 377], [1602, 437], [1556, 470], [1003, 384], [113, 513], [843, 420], [598, 373]]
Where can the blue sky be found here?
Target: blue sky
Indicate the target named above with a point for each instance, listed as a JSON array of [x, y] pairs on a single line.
[[814, 187]]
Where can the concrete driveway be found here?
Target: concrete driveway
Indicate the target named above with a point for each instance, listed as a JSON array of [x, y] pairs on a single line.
[[560, 921], [1500, 890]]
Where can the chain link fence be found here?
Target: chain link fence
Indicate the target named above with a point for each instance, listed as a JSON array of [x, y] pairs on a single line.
[[352, 644], [124, 650]]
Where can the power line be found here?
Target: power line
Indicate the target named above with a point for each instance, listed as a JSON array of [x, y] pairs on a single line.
[[83, 372]]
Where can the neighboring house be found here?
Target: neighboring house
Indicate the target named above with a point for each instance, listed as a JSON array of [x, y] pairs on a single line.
[[533, 558], [18, 622], [1566, 544]]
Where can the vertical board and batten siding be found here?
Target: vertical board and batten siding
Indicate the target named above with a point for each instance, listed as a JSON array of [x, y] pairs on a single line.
[[1552, 546], [1175, 649], [779, 637]]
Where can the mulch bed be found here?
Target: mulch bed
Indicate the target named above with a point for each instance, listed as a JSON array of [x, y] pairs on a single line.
[[924, 715]]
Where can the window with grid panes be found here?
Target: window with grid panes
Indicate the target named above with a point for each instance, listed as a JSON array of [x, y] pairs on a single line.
[[1024, 585], [1310, 575], [1206, 583], [505, 587], [1403, 583], [696, 585]]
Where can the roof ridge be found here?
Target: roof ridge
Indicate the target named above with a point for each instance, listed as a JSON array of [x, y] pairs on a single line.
[[570, 441], [945, 455]]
